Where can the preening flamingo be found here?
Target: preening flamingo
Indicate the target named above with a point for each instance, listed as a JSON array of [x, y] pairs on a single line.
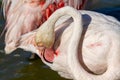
[[23, 16], [96, 51], [86, 48]]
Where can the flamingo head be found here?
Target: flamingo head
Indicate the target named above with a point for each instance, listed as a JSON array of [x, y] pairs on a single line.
[[45, 36]]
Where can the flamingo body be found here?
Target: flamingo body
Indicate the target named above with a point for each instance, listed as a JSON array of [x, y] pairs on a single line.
[[92, 49]]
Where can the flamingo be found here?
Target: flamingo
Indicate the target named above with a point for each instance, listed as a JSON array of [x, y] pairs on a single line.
[[97, 48], [86, 47], [23, 16]]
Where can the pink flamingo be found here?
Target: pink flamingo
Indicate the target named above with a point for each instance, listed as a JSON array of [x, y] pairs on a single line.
[[83, 48], [97, 53]]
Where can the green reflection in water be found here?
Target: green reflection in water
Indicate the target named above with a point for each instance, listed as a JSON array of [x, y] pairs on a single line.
[[37, 71], [16, 66]]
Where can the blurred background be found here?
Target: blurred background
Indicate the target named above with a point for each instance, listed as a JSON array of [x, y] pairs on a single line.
[[17, 66]]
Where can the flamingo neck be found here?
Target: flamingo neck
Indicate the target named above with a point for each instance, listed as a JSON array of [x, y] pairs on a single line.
[[50, 23], [76, 33]]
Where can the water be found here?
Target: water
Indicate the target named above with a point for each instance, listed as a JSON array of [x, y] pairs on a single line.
[[17, 66]]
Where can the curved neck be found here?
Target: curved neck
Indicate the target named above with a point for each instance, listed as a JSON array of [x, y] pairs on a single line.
[[66, 11], [76, 32], [77, 28], [75, 37]]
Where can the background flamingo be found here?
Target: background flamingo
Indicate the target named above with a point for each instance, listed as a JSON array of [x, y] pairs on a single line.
[[23, 16], [95, 46]]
